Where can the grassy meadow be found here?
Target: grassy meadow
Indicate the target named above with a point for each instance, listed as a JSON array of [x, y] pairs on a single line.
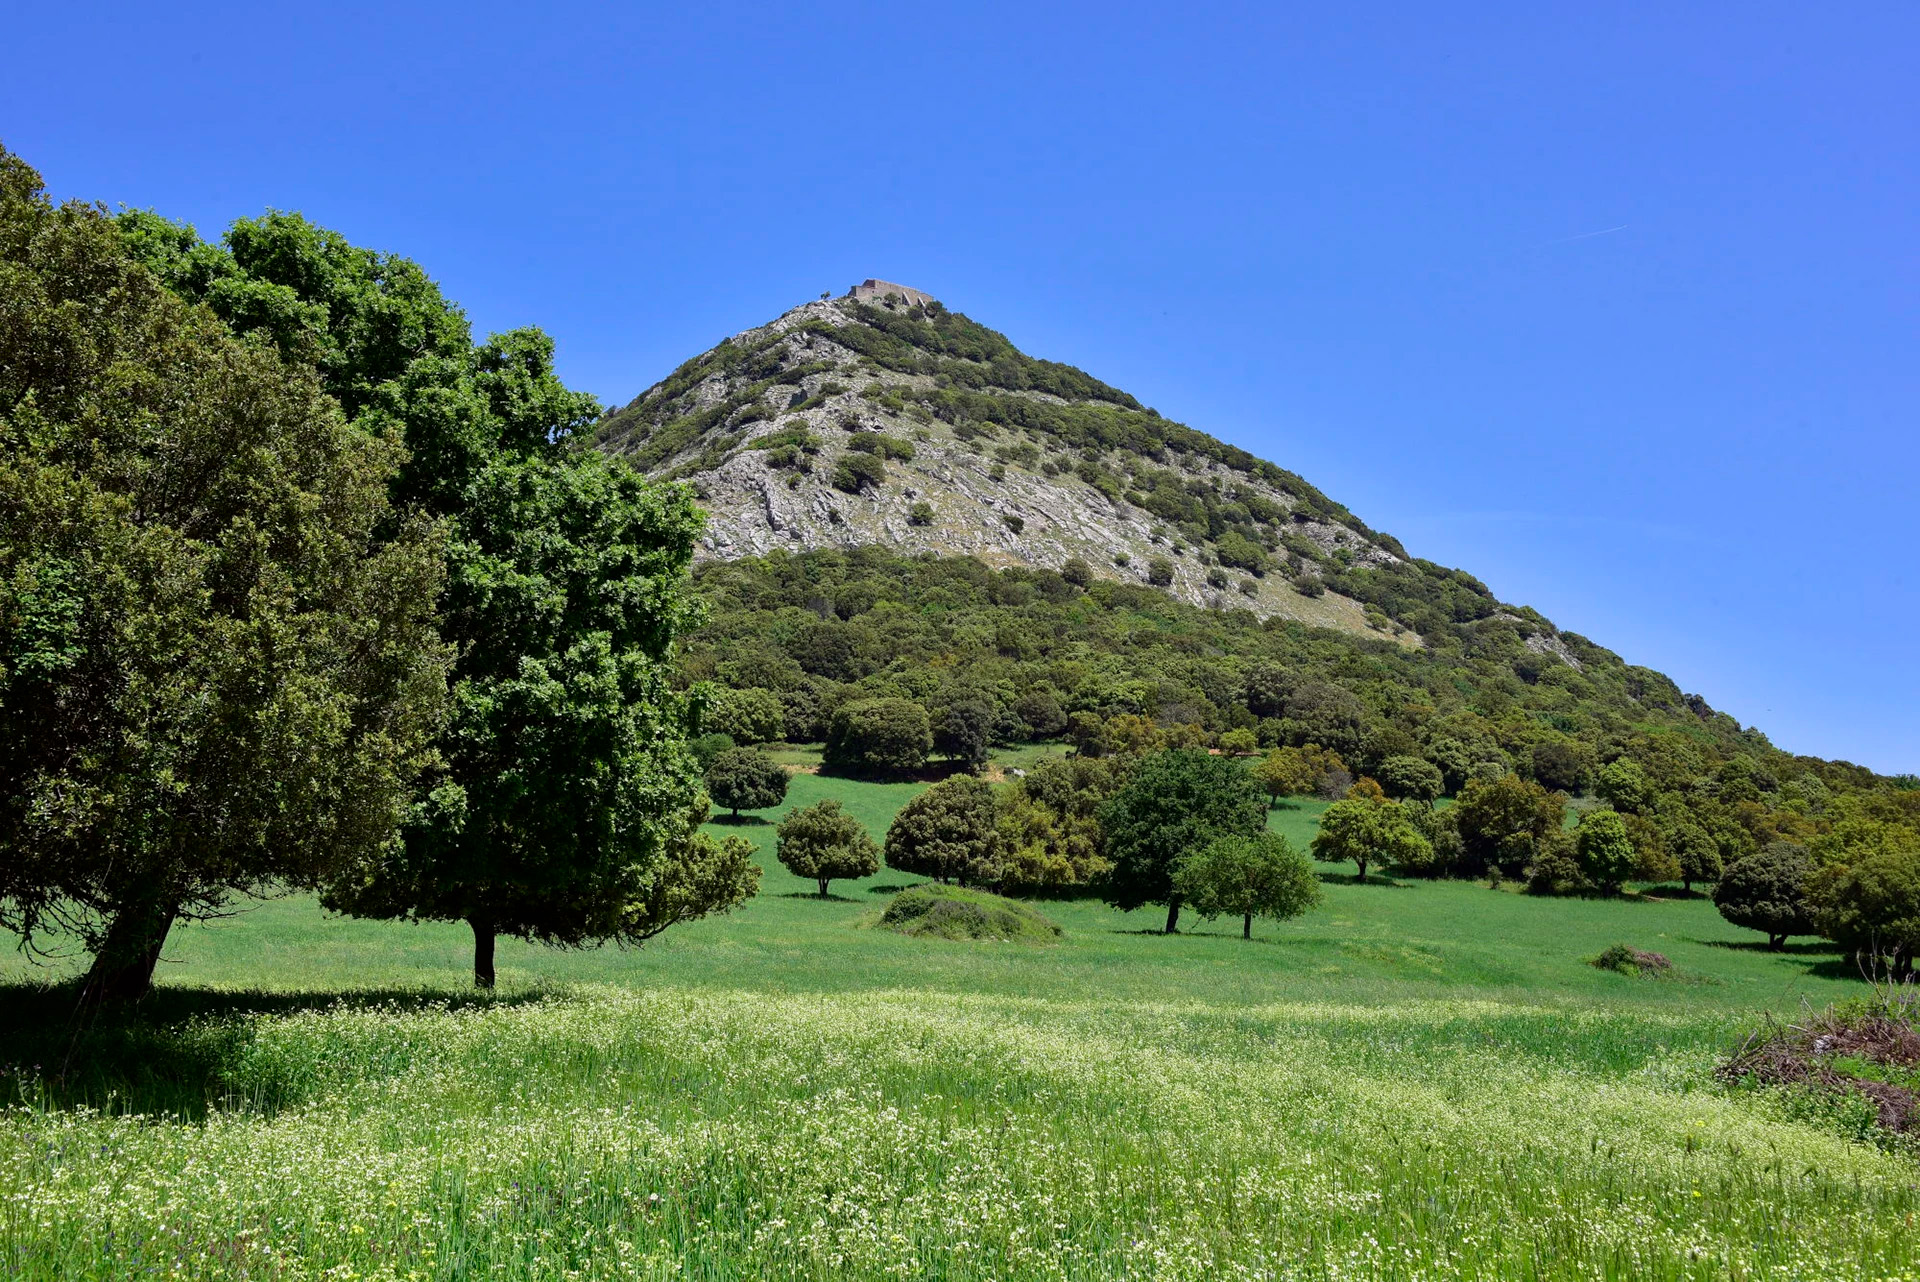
[[1417, 1080]]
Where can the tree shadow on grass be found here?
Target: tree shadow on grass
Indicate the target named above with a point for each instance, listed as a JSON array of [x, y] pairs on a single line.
[[1371, 879], [818, 898], [740, 821], [178, 1051], [888, 889], [1808, 948]]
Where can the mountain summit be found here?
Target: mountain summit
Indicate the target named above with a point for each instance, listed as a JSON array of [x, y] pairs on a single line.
[[881, 417]]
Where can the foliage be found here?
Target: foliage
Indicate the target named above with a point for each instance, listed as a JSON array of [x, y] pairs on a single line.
[[1247, 877], [879, 736], [1504, 822], [962, 913], [747, 715], [1631, 961], [1175, 802], [745, 779], [949, 832], [1408, 778], [1766, 891], [219, 673], [1050, 822], [825, 844], [1604, 850], [1871, 906], [1370, 830]]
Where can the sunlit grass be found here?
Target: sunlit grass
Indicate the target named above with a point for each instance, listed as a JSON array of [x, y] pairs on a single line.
[[1416, 1080]]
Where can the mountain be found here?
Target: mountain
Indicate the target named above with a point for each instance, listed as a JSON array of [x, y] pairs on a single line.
[[881, 417]]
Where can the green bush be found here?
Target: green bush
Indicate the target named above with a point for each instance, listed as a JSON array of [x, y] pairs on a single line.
[[959, 913], [856, 472], [920, 514]]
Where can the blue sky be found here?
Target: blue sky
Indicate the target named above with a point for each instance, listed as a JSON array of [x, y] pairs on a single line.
[[1613, 306]]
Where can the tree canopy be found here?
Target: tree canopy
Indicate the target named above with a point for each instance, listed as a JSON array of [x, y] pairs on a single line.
[[219, 672], [824, 843], [1247, 877], [1175, 802]]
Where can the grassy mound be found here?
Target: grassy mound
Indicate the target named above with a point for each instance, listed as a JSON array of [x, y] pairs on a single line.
[[954, 912]]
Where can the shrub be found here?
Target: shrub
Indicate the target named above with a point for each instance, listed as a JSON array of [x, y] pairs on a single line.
[[746, 779], [1632, 961], [1766, 891], [879, 736], [1217, 577], [1237, 551], [823, 843], [856, 472], [1077, 572], [1247, 877], [1159, 571], [948, 832], [957, 913], [1014, 523], [1307, 585], [920, 514]]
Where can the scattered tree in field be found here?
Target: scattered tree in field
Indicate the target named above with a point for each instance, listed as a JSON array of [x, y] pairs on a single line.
[[746, 779], [565, 805], [219, 672], [1504, 822], [1697, 853], [963, 729], [1299, 772], [1175, 802], [1050, 822], [879, 736], [1247, 877], [824, 844], [1159, 571], [1604, 850], [1871, 907], [1408, 778], [1369, 830], [1766, 891], [950, 833]]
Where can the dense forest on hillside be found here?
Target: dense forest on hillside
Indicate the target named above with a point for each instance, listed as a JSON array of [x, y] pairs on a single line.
[[1022, 654]]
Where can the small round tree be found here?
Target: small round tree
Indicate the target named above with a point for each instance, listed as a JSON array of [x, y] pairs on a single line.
[[949, 832], [746, 779], [1366, 830], [1697, 852], [824, 843], [1247, 877], [879, 736], [1604, 850], [1766, 891], [751, 715]]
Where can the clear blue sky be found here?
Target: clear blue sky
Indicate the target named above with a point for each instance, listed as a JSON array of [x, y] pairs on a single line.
[[1614, 307]]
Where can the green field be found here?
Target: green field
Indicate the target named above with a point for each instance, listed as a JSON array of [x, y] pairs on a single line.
[[1417, 1080]]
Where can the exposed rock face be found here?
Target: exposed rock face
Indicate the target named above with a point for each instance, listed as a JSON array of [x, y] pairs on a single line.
[[766, 426]]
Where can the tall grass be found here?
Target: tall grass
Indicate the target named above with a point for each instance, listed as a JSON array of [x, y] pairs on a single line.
[[608, 1133]]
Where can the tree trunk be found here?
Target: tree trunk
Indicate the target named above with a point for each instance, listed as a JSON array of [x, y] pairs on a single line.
[[1173, 914], [482, 952], [1363, 869], [1246, 927], [122, 970], [1776, 942], [823, 887], [1686, 883]]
